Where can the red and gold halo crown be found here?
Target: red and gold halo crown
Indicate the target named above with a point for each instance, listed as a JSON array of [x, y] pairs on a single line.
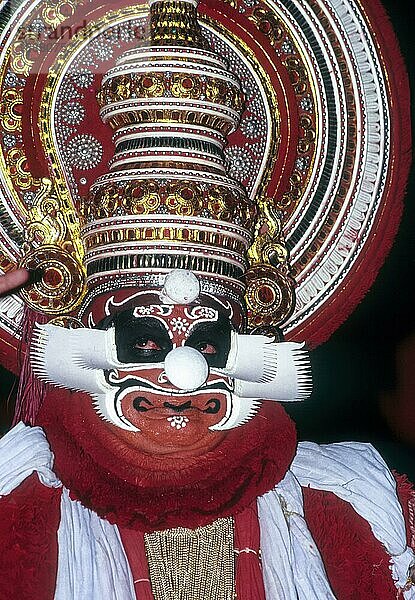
[[313, 176]]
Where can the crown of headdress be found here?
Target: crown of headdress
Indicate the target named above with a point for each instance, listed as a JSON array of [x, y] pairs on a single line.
[[167, 201]]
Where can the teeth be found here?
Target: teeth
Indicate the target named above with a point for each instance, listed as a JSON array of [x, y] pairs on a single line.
[[178, 421]]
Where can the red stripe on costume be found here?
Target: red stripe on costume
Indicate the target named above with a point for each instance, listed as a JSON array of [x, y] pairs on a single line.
[[133, 542], [249, 580], [248, 576], [356, 563], [29, 521], [106, 473]]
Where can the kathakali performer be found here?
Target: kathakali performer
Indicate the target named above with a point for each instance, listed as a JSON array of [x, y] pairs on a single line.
[[198, 192]]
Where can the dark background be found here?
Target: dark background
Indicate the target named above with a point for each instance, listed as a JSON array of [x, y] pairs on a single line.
[[363, 381]]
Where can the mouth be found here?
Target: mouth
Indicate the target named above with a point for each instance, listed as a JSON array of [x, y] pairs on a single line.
[[166, 412], [160, 419]]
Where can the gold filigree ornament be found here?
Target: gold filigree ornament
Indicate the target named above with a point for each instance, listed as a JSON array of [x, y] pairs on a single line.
[[11, 104], [67, 322], [22, 51], [56, 11], [50, 252], [17, 169], [174, 22], [60, 284], [51, 247], [269, 24], [323, 136], [28, 43], [269, 294]]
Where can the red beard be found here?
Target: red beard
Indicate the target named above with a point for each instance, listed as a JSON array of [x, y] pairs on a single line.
[[140, 491]]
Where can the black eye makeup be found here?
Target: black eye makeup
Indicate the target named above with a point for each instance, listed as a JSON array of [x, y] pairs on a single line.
[[146, 339], [213, 340], [143, 340]]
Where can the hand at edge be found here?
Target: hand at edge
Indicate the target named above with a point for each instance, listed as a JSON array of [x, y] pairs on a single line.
[[11, 281]]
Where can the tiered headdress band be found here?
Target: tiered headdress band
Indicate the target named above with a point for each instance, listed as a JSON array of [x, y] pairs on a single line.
[[167, 201]]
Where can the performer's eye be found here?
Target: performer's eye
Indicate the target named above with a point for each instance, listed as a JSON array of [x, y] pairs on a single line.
[[143, 340], [149, 347], [146, 344], [206, 348], [212, 340]]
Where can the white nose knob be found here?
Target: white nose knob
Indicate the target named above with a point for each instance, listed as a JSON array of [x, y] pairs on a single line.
[[186, 368]]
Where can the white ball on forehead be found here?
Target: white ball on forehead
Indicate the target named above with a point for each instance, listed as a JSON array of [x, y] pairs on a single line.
[[180, 287]]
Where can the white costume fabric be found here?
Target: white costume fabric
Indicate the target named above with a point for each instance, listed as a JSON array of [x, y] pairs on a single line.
[[92, 562]]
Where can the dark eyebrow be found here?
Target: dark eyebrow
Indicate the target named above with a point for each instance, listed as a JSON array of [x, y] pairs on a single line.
[[147, 326], [129, 329], [221, 326], [149, 322], [205, 328]]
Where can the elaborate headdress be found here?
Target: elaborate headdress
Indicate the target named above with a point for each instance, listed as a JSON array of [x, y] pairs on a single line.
[[294, 211]]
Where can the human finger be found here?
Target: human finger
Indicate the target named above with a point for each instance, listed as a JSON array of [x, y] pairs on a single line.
[[13, 280]]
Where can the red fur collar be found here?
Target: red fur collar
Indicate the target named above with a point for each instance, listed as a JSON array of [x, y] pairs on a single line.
[[147, 493]]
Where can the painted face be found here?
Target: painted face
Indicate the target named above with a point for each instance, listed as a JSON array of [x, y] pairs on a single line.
[[168, 417], [169, 377]]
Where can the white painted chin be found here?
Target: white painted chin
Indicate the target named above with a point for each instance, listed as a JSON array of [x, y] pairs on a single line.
[[109, 409], [238, 412]]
